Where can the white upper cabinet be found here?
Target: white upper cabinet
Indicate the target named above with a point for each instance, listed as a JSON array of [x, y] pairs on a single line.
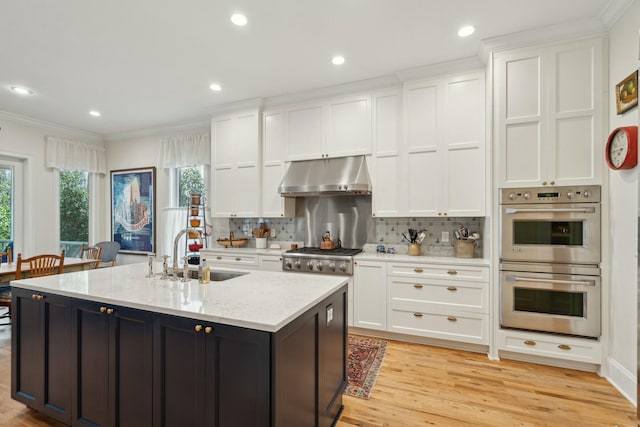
[[235, 159], [384, 163], [335, 128], [444, 146], [273, 166], [548, 114]]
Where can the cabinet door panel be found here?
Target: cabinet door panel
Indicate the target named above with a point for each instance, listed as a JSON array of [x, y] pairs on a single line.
[[179, 366], [222, 137], [575, 145], [223, 192], [91, 352], [57, 375], [386, 125], [247, 143], [349, 127], [421, 116], [370, 295], [242, 374], [523, 86], [522, 153], [574, 79], [304, 133], [244, 191], [386, 197], [424, 182], [465, 197], [464, 111], [131, 346], [27, 345]]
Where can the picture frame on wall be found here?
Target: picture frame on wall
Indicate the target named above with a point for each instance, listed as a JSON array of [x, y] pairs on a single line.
[[627, 93], [133, 209]]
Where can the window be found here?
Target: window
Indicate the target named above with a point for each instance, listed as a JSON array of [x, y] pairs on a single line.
[[6, 205], [74, 211], [190, 179]]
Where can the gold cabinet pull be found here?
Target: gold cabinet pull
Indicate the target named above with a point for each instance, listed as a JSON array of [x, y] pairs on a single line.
[[218, 257], [208, 330], [34, 296], [417, 314], [418, 270], [452, 288], [552, 183], [40, 297], [564, 347], [417, 286], [103, 309], [452, 319], [529, 342], [238, 259], [452, 272], [109, 310], [544, 182], [198, 328]]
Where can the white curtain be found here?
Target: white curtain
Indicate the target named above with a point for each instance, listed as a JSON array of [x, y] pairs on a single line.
[[74, 155], [186, 150]]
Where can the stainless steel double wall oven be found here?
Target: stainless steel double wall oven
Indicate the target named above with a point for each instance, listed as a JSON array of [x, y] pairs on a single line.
[[550, 260]]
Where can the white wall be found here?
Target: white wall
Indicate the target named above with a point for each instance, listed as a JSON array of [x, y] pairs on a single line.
[[25, 142], [144, 152], [623, 209]]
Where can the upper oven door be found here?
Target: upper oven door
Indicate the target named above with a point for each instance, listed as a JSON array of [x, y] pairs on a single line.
[[565, 233]]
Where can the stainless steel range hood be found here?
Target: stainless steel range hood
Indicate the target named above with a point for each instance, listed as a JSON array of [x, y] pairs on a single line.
[[326, 177]]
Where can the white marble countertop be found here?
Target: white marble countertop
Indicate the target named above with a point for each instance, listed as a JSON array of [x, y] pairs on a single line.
[[261, 300], [421, 259]]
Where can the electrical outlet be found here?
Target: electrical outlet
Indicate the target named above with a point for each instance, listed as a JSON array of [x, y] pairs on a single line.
[[329, 315], [445, 237]]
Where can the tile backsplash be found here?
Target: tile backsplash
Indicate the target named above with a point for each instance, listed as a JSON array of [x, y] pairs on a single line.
[[388, 231]]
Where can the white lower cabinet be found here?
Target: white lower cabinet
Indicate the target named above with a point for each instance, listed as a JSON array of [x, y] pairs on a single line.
[[222, 259], [446, 302], [370, 295], [553, 346]]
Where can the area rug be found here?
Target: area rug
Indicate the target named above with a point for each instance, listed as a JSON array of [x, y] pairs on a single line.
[[364, 359]]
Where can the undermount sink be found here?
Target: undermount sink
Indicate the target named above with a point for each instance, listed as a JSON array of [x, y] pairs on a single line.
[[215, 276]]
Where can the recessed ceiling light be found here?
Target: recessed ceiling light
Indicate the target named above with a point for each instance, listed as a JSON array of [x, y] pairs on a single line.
[[337, 60], [239, 19], [466, 31], [215, 87], [95, 113], [20, 90]]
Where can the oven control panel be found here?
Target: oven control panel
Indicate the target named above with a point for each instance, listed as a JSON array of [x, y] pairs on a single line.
[[568, 194], [338, 265]]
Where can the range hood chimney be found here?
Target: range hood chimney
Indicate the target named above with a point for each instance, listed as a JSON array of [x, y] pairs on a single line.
[[326, 177]]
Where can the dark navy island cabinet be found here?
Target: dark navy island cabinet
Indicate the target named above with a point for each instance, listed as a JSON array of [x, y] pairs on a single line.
[[95, 364]]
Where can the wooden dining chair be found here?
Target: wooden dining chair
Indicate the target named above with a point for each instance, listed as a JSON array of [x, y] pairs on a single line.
[[6, 254], [39, 265], [91, 252]]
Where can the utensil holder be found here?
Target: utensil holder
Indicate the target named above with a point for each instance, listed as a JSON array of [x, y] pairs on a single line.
[[465, 248], [413, 249], [261, 242]]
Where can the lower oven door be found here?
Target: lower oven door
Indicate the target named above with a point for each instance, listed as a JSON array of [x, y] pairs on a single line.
[[557, 303]]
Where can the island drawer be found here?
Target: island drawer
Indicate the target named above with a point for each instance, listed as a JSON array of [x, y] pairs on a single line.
[[428, 294], [455, 272]]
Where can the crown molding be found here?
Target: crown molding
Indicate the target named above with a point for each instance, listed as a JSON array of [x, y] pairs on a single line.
[[48, 126], [245, 104], [197, 124], [613, 11], [328, 91], [542, 35], [441, 68]]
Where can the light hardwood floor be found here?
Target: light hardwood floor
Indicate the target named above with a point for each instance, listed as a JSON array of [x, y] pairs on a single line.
[[420, 385]]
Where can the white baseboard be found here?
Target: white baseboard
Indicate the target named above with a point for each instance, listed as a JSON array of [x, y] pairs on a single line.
[[623, 380]]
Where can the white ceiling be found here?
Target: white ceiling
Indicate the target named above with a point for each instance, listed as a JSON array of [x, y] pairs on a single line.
[[148, 63]]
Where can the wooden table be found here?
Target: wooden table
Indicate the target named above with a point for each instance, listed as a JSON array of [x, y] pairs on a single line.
[[8, 271]]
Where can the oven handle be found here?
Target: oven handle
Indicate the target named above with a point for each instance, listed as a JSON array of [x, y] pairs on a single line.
[[558, 281], [551, 210]]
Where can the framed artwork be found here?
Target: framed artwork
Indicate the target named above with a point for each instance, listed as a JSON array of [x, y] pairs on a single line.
[[133, 209], [627, 93]]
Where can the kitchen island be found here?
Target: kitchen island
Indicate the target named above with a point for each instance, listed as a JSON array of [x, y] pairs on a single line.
[[112, 347]]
